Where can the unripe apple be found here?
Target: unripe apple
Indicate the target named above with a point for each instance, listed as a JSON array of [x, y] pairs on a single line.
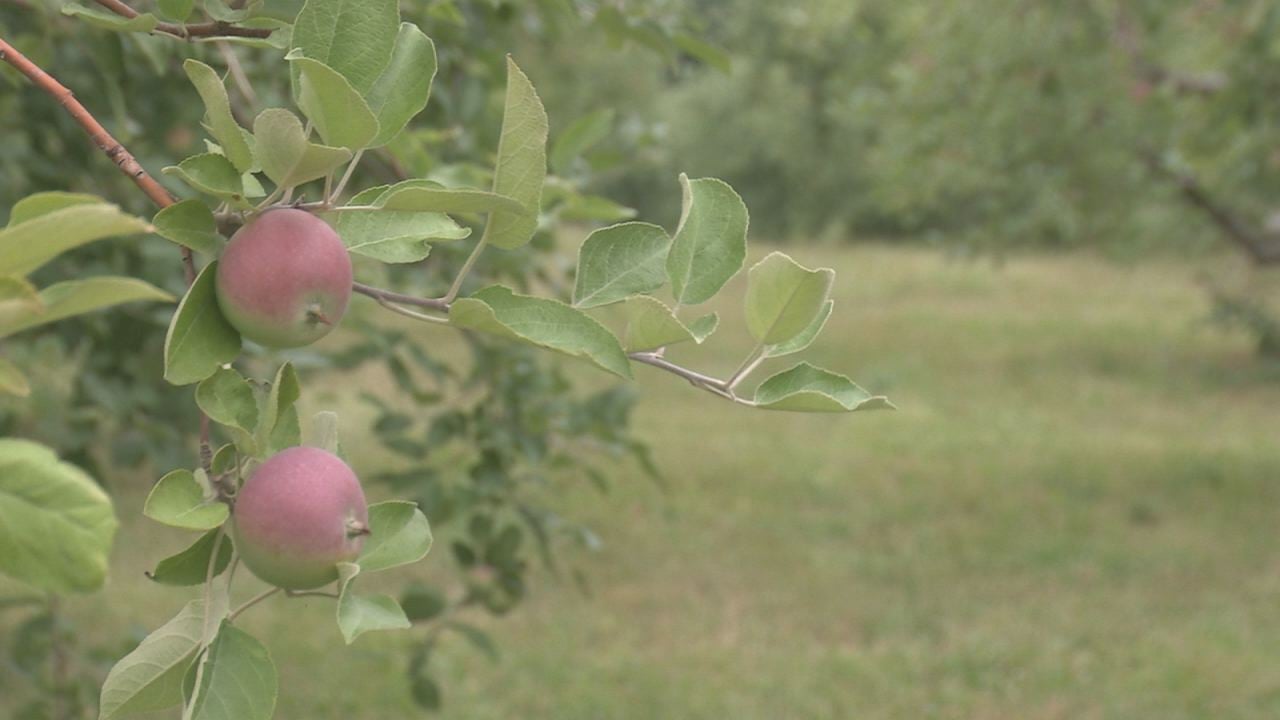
[[300, 514], [284, 279]]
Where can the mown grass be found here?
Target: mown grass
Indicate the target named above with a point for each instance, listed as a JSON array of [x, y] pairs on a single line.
[[1073, 515]]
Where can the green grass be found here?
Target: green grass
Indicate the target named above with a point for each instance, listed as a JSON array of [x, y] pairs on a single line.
[[1074, 514]]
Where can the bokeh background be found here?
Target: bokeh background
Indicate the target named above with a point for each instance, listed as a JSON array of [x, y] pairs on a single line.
[[1055, 234]]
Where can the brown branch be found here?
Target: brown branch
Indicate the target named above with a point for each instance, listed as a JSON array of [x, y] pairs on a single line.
[[119, 155], [1262, 247], [186, 32]]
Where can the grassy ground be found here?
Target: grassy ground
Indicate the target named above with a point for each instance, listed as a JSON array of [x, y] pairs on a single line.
[[1073, 515]]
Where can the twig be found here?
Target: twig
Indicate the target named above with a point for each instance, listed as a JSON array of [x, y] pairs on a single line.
[[186, 32], [342, 184], [456, 287], [751, 363], [114, 150], [251, 602], [715, 386], [311, 593], [410, 313], [237, 75], [378, 293]]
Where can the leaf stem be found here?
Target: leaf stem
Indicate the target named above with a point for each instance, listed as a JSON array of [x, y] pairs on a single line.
[[401, 298], [410, 313], [252, 601], [466, 268], [342, 184], [752, 362]]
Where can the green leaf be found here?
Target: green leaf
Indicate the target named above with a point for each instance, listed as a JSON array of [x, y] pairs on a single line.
[[211, 174], [237, 681], [620, 261], [581, 135], [199, 339], [222, 125], [522, 162], [354, 37], [542, 322], [701, 328], [177, 10], [190, 224], [278, 425], [18, 300], [33, 206], [191, 566], [56, 523], [12, 381], [805, 338], [359, 614], [150, 677], [333, 106], [447, 200], [593, 208], [402, 90], [228, 399], [77, 297], [421, 602], [710, 244], [143, 23], [28, 245], [224, 460], [784, 297], [399, 535], [222, 11], [285, 154], [705, 52], [180, 501], [651, 325], [393, 236], [805, 388]]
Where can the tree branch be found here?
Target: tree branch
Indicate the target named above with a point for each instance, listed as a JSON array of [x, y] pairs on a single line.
[[119, 155], [1263, 248], [380, 294], [186, 32]]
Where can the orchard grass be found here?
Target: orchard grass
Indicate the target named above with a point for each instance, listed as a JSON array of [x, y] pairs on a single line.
[[1073, 514]]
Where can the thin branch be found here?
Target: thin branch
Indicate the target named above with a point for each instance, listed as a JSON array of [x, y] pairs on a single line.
[[752, 362], [252, 601], [114, 150], [715, 386], [311, 593], [187, 32], [411, 313], [1263, 248], [456, 287], [378, 293]]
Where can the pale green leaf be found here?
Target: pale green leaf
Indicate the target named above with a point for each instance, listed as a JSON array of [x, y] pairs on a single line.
[[522, 162], [593, 208], [399, 535], [222, 125], [189, 223], [76, 297], [619, 261], [33, 206], [805, 388], [228, 399], [285, 154], [150, 677], [199, 339], [334, 107], [211, 174], [56, 523], [143, 22], [651, 325], [12, 381], [402, 90], [359, 614], [710, 243], [805, 338], [784, 297], [278, 425], [354, 37], [237, 681], [581, 135], [393, 236], [179, 500], [702, 327], [191, 566], [177, 10], [542, 322], [19, 299], [447, 200], [704, 51], [28, 245]]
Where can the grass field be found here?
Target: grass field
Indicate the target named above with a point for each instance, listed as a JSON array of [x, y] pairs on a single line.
[[1074, 514]]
